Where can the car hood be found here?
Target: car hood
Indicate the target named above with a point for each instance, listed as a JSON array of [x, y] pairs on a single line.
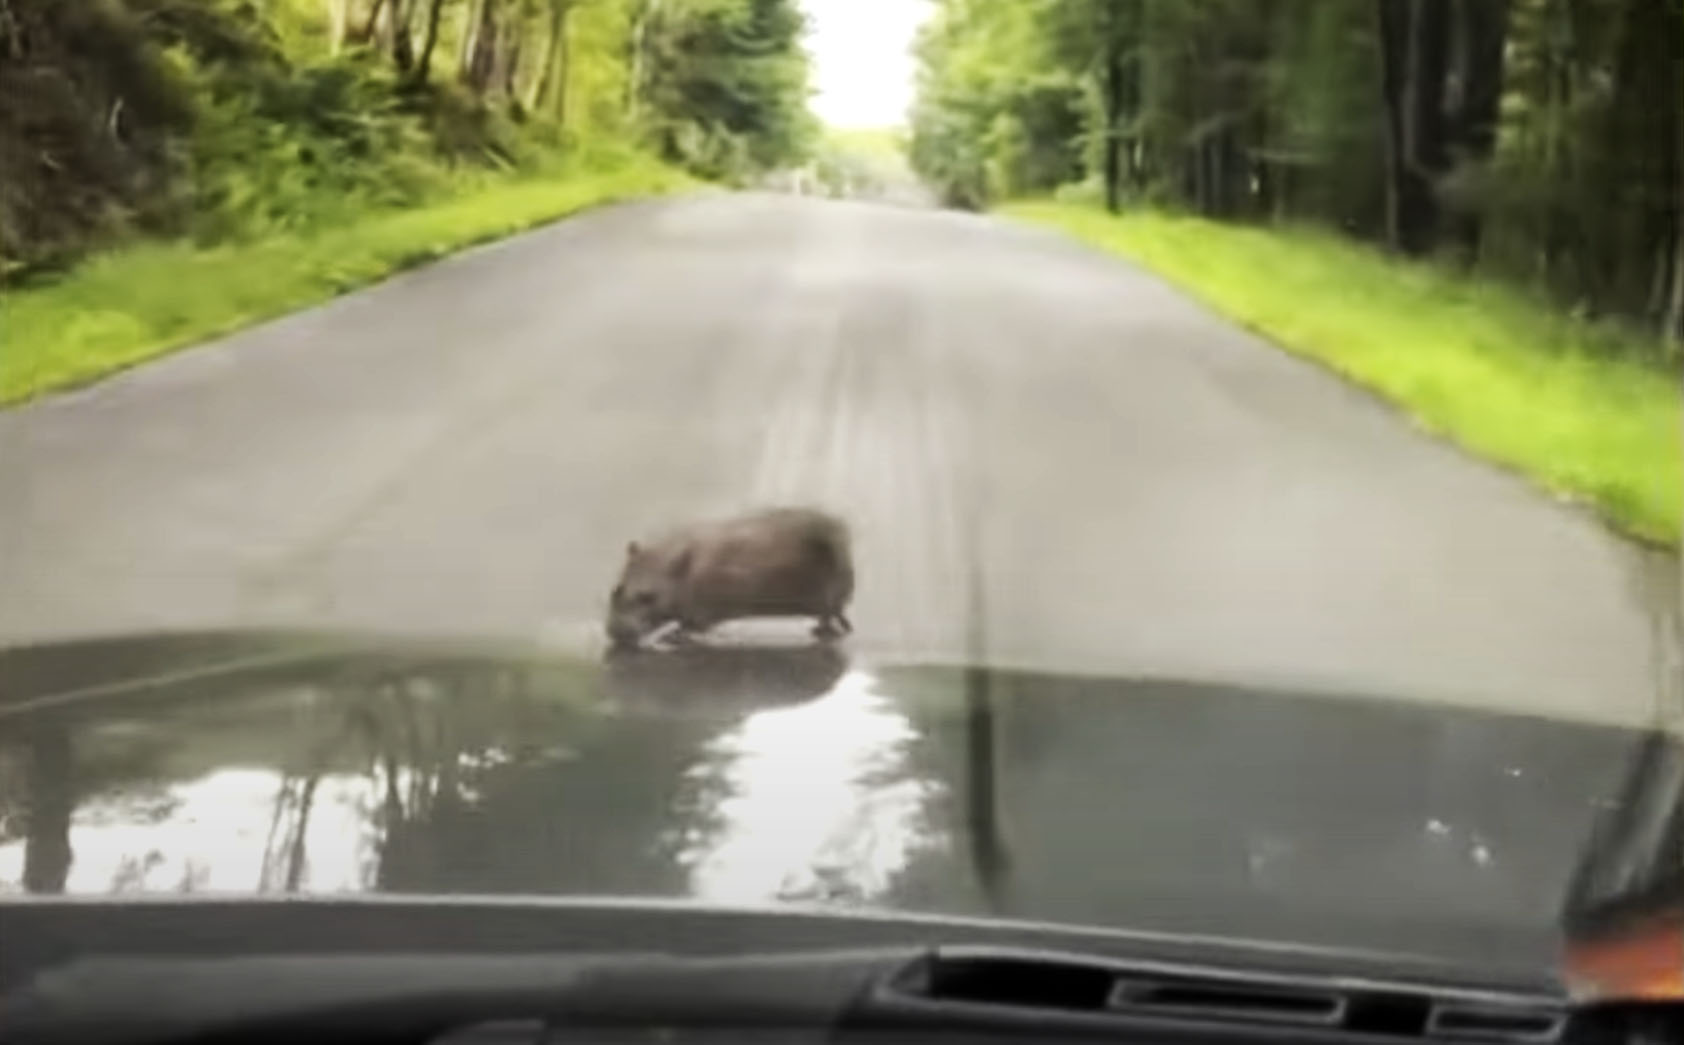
[[275, 764]]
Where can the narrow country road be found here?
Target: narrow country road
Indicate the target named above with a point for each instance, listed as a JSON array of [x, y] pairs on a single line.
[[1050, 459]]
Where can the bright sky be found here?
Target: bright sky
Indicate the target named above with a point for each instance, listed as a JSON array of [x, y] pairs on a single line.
[[862, 54]]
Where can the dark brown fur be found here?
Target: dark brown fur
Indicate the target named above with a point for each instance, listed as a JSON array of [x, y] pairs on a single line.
[[781, 562]]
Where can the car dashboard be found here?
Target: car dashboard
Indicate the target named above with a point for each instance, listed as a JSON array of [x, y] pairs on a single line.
[[450, 973]]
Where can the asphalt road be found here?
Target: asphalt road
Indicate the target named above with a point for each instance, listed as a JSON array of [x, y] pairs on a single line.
[[1049, 458]]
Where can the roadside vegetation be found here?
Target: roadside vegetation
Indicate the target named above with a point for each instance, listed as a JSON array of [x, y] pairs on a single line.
[[174, 169], [1469, 207], [132, 304], [860, 162]]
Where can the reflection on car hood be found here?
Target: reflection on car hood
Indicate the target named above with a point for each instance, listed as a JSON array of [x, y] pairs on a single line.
[[271, 764]]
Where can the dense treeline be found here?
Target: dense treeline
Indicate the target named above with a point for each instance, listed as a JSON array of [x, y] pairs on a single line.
[[224, 118], [1539, 139]]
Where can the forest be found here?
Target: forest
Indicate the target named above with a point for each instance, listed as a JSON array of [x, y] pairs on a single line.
[[223, 120], [1540, 142]]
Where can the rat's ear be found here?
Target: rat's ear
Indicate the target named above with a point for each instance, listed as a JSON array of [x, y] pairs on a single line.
[[632, 550]]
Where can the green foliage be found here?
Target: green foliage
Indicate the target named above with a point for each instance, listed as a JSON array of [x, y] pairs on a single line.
[[1521, 137], [1583, 193], [1569, 403], [288, 148], [1325, 155], [134, 304], [284, 150], [600, 72], [863, 163], [87, 123], [725, 84], [879, 145], [232, 120], [995, 117]]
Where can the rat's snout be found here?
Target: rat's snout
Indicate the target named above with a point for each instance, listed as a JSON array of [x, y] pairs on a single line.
[[622, 633]]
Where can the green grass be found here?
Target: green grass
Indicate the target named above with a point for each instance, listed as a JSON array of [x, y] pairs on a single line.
[[138, 302], [1588, 412]]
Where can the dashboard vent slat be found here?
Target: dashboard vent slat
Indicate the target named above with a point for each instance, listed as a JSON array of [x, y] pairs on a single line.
[[1216, 999]]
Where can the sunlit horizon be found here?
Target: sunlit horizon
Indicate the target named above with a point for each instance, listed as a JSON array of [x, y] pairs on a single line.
[[863, 71]]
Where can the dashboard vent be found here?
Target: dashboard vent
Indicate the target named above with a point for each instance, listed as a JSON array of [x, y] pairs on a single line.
[[1494, 1023], [1218, 999], [1059, 986], [1071, 986], [1031, 983]]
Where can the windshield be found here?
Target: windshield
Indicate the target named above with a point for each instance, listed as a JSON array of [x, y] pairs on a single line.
[[1210, 467]]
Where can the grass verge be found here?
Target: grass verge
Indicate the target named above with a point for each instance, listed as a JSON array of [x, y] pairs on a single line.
[[1589, 413], [141, 301]]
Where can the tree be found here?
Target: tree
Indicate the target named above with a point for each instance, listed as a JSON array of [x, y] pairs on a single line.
[[1526, 138], [338, 23], [1415, 45], [473, 62], [233, 117], [725, 83], [429, 41], [1324, 158], [1482, 31], [549, 89], [396, 25], [1000, 111], [1634, 168], [1101, 41]]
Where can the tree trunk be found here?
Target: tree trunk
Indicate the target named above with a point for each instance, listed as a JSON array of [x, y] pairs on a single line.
[[1236, 174], [482, 62], [1393, 18], [1558, 99], [509, 54], [540, 88], [1429, 157], [1674, 321], [398, 16], [470, 40], [429, 42], [371, 26], [1132, 96], [1111, 147], [1483, 33], [297, 853], [637, 61], [1414, 48], [1257, 168], [1219, 175], [1673, 324], [1193, 159], [552, 66], [1639, 179], [563, 66]]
